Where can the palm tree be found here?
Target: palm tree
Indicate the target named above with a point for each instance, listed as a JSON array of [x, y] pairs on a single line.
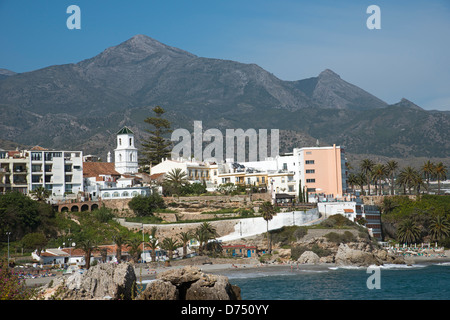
[[135, 248], [119, 239], [408, 231], [407, 178], [391, 167], [185, 237], [352, 180], [428, 170], [88, 244], [439, 228], [360, 181], [40, 194], [176, 179], [203, 234], [366, 166], [267, 212], [440, 172], [170, 245], [153, 243], [419, 183], [378, 174]]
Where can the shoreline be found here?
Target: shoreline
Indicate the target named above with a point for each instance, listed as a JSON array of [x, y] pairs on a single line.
[[227, 268]]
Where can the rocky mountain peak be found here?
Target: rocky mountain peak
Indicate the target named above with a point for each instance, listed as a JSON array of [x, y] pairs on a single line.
[[327, 73]]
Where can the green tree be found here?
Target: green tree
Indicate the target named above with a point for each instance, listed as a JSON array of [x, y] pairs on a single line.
[[352, 180], [184, 238], [378, 174], [407, 178], [203, 234], [408, 231], [119, 240], [300, 193], [40, 194], [35, 240], [366, 166], [175, 180], [145, 205], [170, 245], [153, 243], [267, 212], [428, 170], [440, 171], [134, 250], [156, 147], [87, 242], [439, 228], [391, 168]]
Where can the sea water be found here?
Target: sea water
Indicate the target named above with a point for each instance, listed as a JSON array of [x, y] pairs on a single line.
[[397, 282]]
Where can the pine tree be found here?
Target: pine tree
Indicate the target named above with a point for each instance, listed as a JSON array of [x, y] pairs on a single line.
[[156, 146]]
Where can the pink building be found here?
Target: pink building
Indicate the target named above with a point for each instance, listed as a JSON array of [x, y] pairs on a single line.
[[323, 170]]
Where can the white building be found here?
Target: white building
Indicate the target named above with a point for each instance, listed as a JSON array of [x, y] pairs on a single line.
[[126, 154], [61, 172]]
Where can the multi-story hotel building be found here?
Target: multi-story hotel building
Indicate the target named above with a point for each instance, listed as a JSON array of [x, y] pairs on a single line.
[[61, 172]]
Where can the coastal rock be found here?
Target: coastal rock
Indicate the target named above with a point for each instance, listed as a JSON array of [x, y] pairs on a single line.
[[308, 257], [189, 283], [104, 281], [347, 256]]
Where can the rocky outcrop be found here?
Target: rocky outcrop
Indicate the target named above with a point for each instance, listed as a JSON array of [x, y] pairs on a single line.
[[360, 257], [104, 281], [348, 256], [189, 283], [309, 257]]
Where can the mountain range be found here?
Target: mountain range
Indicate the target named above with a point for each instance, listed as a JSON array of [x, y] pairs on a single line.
[[81, 106]]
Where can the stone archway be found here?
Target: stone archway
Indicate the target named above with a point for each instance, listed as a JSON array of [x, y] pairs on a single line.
[[84, 207], [75, 208]]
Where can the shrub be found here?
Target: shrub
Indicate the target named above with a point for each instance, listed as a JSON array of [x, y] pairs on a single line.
[[146, 205], [340, 238], [11, 286]]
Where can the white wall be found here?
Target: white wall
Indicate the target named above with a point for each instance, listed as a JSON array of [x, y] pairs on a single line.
[[254, 226]]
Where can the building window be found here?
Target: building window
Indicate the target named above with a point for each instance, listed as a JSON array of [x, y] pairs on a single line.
[[308, 152], [120, 142], [106, 195], [309, 162], [131, 142], [135, 193], [115, 194], [311, 171], [310, 180], [131, 157], [125, 194], [309, 190]]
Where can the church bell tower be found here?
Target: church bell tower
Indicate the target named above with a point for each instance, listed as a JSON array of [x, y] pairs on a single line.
[[126, 155]]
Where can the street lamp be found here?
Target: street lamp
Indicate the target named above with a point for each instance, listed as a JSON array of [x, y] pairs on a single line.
[[8, 233]]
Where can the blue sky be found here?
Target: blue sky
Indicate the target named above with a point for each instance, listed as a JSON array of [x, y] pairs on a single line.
[[408, 57]]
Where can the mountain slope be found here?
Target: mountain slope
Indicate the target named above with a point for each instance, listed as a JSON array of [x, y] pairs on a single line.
[[81, 106]]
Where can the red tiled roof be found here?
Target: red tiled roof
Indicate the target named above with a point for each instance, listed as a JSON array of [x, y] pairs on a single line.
[[94, 169], [348, 210]]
